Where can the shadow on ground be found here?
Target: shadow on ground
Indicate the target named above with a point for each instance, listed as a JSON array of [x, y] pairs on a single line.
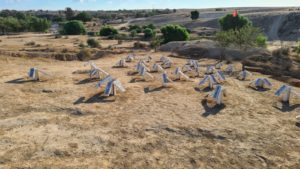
[[211, 111], [98, 98], [286, 107], [19, 81], [156, 89], [207, 89], [88, 80], [134, 80]]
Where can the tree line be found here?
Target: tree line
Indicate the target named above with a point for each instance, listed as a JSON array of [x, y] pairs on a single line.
[[23, 23]]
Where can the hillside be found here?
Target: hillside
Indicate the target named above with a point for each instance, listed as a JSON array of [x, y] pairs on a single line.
[[277, 23]]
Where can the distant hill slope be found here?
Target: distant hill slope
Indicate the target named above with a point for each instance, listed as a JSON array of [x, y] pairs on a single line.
[[277, 23]]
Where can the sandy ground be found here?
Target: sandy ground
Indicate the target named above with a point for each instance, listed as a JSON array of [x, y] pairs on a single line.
[[40, 126]]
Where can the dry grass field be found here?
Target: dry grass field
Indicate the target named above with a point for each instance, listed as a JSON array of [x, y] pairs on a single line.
[[63, 122]]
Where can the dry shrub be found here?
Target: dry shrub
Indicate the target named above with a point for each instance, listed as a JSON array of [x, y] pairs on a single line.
[[284, 51], [65, 50], [0, 40], [57, 36], [32, 43], [140, 45], [84, 54]]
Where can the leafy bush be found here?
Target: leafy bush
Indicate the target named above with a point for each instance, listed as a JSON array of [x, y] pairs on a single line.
[[230, 22], [83, 16], [261, 41], [73, 28], [108, 31], [174, 33], [194, 15], [93, 43], [149, 33], [137, 28], [133, 33], [155, 42], [150, 26]]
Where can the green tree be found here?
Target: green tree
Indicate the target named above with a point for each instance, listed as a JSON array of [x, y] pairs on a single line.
[[149, 33], [244, 38], [39, 24], [174, 33], [195, 15], [224, 39], [73, 28], [230, 22], [108, 31], [83, 16], [69, 13]]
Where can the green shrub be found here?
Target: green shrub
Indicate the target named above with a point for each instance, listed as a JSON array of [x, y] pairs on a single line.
[[108, 31], [230, 22], [73, 28], [137, 28], [149, 33], [155, 42], [261, 41], [93, 43], [150, 26], [133, 33], [83, 16], [174, 33], [194, 15]]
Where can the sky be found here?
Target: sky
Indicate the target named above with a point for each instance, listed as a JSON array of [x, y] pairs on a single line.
[[139, 4]]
